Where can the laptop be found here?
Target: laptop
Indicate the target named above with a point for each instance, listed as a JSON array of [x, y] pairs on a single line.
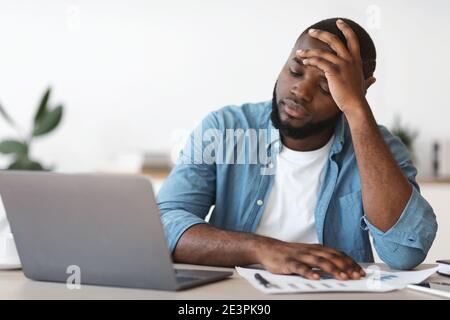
[[105, 226]]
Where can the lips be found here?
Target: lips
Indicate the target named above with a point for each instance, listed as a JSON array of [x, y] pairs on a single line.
[[294, 110]]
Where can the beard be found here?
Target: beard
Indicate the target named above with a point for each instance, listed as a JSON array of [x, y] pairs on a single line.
[[307, 130]]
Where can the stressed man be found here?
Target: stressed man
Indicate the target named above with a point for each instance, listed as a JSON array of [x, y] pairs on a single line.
[[299, 182]]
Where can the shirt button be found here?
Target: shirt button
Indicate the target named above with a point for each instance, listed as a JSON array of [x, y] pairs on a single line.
[[259, 202]]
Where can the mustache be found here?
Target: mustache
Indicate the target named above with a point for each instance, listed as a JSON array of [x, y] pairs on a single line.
[[293, 103]]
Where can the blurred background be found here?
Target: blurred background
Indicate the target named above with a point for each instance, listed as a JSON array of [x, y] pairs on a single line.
[[134, 77]]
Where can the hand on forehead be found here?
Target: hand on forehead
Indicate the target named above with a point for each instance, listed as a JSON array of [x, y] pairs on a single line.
[[306, 42]]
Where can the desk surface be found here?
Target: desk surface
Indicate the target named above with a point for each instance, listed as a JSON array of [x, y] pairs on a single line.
[[14, 285]]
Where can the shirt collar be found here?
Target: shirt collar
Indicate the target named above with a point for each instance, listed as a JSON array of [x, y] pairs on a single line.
[[339, 135]]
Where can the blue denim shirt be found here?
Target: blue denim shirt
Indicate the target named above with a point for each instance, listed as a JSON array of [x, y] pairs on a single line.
[[239, 190]]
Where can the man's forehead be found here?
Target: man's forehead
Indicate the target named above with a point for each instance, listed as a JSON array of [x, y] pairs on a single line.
[[307, 42]]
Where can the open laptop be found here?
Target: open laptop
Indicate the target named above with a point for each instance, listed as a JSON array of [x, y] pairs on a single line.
[[107, 227]]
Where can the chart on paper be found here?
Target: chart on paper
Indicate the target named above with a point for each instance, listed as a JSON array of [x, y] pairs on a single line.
[[375, 281]]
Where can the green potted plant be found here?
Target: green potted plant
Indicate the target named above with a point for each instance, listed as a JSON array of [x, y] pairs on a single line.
[[405, 134], [45, 120]]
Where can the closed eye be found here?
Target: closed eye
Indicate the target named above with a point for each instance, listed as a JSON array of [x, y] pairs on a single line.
[[323, 85], [295, 73]]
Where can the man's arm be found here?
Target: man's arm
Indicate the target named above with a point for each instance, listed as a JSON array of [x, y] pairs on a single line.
[[385, 189], [204, 244], [401, 221]]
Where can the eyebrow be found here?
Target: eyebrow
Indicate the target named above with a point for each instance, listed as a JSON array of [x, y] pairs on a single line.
[[300, 62]]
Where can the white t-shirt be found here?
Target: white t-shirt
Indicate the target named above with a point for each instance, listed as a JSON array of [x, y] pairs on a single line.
[[289, 212]]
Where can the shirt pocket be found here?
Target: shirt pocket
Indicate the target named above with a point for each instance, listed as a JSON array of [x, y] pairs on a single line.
[[348, 211]]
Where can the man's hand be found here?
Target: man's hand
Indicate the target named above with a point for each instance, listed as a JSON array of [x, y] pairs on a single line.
[[205, 244], [297, 258], [343, 69]]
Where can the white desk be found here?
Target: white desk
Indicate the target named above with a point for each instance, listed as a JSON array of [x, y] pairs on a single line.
[[14, 285]]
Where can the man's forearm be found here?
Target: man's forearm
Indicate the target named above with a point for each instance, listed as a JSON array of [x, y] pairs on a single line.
[[204, 244], [385, 189]]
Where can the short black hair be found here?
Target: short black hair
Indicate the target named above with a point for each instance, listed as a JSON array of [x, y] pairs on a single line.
[[367, 47]]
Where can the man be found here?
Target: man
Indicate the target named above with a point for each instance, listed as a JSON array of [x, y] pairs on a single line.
[[331, 174]]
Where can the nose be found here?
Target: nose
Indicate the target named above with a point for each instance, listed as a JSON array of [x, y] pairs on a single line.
[[302, 90]]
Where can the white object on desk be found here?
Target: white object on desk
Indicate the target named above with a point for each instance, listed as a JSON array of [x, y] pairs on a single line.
[[9, 258], [444, 267], [375, 281], [435, 288]]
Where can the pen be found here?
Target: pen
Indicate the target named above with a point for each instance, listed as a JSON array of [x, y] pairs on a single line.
[[265, 282], [262, 280]]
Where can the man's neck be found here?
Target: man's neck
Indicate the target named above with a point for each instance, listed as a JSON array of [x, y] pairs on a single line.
[[310, 143]]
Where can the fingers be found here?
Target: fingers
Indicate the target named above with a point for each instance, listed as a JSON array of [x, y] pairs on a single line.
[[342, 255], [295, 266], [332, 40], [326, 66], [342, 262], [317, 261], [352, 39], [337, 257], [353, 51], [303, 259], [309, 53]]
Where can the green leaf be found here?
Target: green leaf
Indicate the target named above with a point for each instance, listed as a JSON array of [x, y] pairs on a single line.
[[7, 116], [14, 146], [25, 164], [48, 122], [42, 109]]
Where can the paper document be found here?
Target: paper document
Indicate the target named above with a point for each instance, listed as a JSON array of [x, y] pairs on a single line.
[[376, 280]]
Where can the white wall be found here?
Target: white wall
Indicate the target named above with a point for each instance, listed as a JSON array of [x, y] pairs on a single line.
[[438, 195], [134, 74]]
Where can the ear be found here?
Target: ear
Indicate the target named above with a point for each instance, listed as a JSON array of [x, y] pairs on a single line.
[[369, 81]]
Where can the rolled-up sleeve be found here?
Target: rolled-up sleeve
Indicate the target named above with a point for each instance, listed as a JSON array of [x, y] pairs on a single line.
[[188, 193], [406, 244]]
